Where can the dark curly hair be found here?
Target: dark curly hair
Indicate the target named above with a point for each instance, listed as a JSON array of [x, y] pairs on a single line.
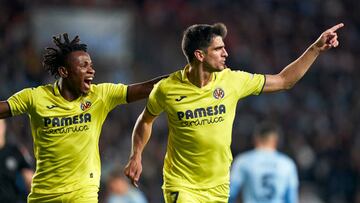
[[56, 57], [264, 129], [199, 36]]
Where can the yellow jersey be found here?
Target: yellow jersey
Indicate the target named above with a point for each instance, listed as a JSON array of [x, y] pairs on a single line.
[[200, 123], [66, 133]]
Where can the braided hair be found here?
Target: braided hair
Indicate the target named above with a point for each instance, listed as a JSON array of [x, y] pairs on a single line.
[[56, 57]]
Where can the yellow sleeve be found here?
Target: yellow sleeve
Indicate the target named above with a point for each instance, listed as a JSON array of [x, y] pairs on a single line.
[[113, 94], [155, 102], [248, 83], [21, 102]]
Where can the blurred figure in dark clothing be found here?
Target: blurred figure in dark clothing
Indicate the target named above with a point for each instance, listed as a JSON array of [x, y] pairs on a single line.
[[12, 165]]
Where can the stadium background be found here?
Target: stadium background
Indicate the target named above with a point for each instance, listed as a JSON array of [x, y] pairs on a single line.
[[131, 41]]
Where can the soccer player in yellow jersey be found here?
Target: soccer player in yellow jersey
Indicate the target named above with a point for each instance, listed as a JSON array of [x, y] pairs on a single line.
[[66, 120], [200, 102]]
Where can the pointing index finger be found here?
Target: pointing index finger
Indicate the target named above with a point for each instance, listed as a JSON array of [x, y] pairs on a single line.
[[336, 27]]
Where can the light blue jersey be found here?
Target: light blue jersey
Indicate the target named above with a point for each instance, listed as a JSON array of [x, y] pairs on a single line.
[[264, 177], [132, 196]]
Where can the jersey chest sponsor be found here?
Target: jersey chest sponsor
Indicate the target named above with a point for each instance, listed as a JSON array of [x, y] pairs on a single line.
[[201, 112], [67, 121], [202, 116]]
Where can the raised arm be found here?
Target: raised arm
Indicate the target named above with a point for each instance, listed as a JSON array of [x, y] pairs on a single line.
[[293, 72], [4, 109], [142, 90], [140, 137]]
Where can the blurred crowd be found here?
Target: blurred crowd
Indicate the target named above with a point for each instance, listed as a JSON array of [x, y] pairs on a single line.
[[319, 116]]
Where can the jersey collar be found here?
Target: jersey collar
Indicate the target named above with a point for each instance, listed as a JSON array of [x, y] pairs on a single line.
[[183, 73], [184, 78], [57, 90]]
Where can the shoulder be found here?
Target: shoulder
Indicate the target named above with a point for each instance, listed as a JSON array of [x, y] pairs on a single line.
[[41, 88], [243, 162], [226, 72], [173, 79], [230, 72], [105, 87], [44, 89], [285, 159], [235, 75], [35, 91], [245, 157]]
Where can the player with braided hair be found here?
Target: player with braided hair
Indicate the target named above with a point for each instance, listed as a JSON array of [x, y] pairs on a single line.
[[66, 120], [54, 57]]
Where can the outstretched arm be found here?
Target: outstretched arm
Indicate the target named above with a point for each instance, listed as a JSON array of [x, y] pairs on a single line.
[[140, 137], [142, 90], [4, 109], [293, 72]]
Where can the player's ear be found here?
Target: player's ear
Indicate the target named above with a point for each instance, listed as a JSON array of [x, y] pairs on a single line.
[[63, 72], [199, 54]]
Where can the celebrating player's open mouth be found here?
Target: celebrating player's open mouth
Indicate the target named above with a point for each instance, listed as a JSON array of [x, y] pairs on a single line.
[[87, 82]]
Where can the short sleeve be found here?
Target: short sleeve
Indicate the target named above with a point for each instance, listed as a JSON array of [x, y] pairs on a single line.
[[113, 94], [21, 102], [248, 83], [155, 104]]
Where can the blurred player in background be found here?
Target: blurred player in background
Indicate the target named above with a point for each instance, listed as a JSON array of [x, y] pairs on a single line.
[[119, 190], [264, 174], [66, 120], [200, 103], [12, 164]]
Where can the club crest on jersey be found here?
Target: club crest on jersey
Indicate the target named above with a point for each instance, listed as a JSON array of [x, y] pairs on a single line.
[[218, 93], [85, 105]]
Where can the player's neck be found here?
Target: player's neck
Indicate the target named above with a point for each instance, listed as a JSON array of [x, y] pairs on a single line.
[[198, 76], [266, 148], [66, 91]]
